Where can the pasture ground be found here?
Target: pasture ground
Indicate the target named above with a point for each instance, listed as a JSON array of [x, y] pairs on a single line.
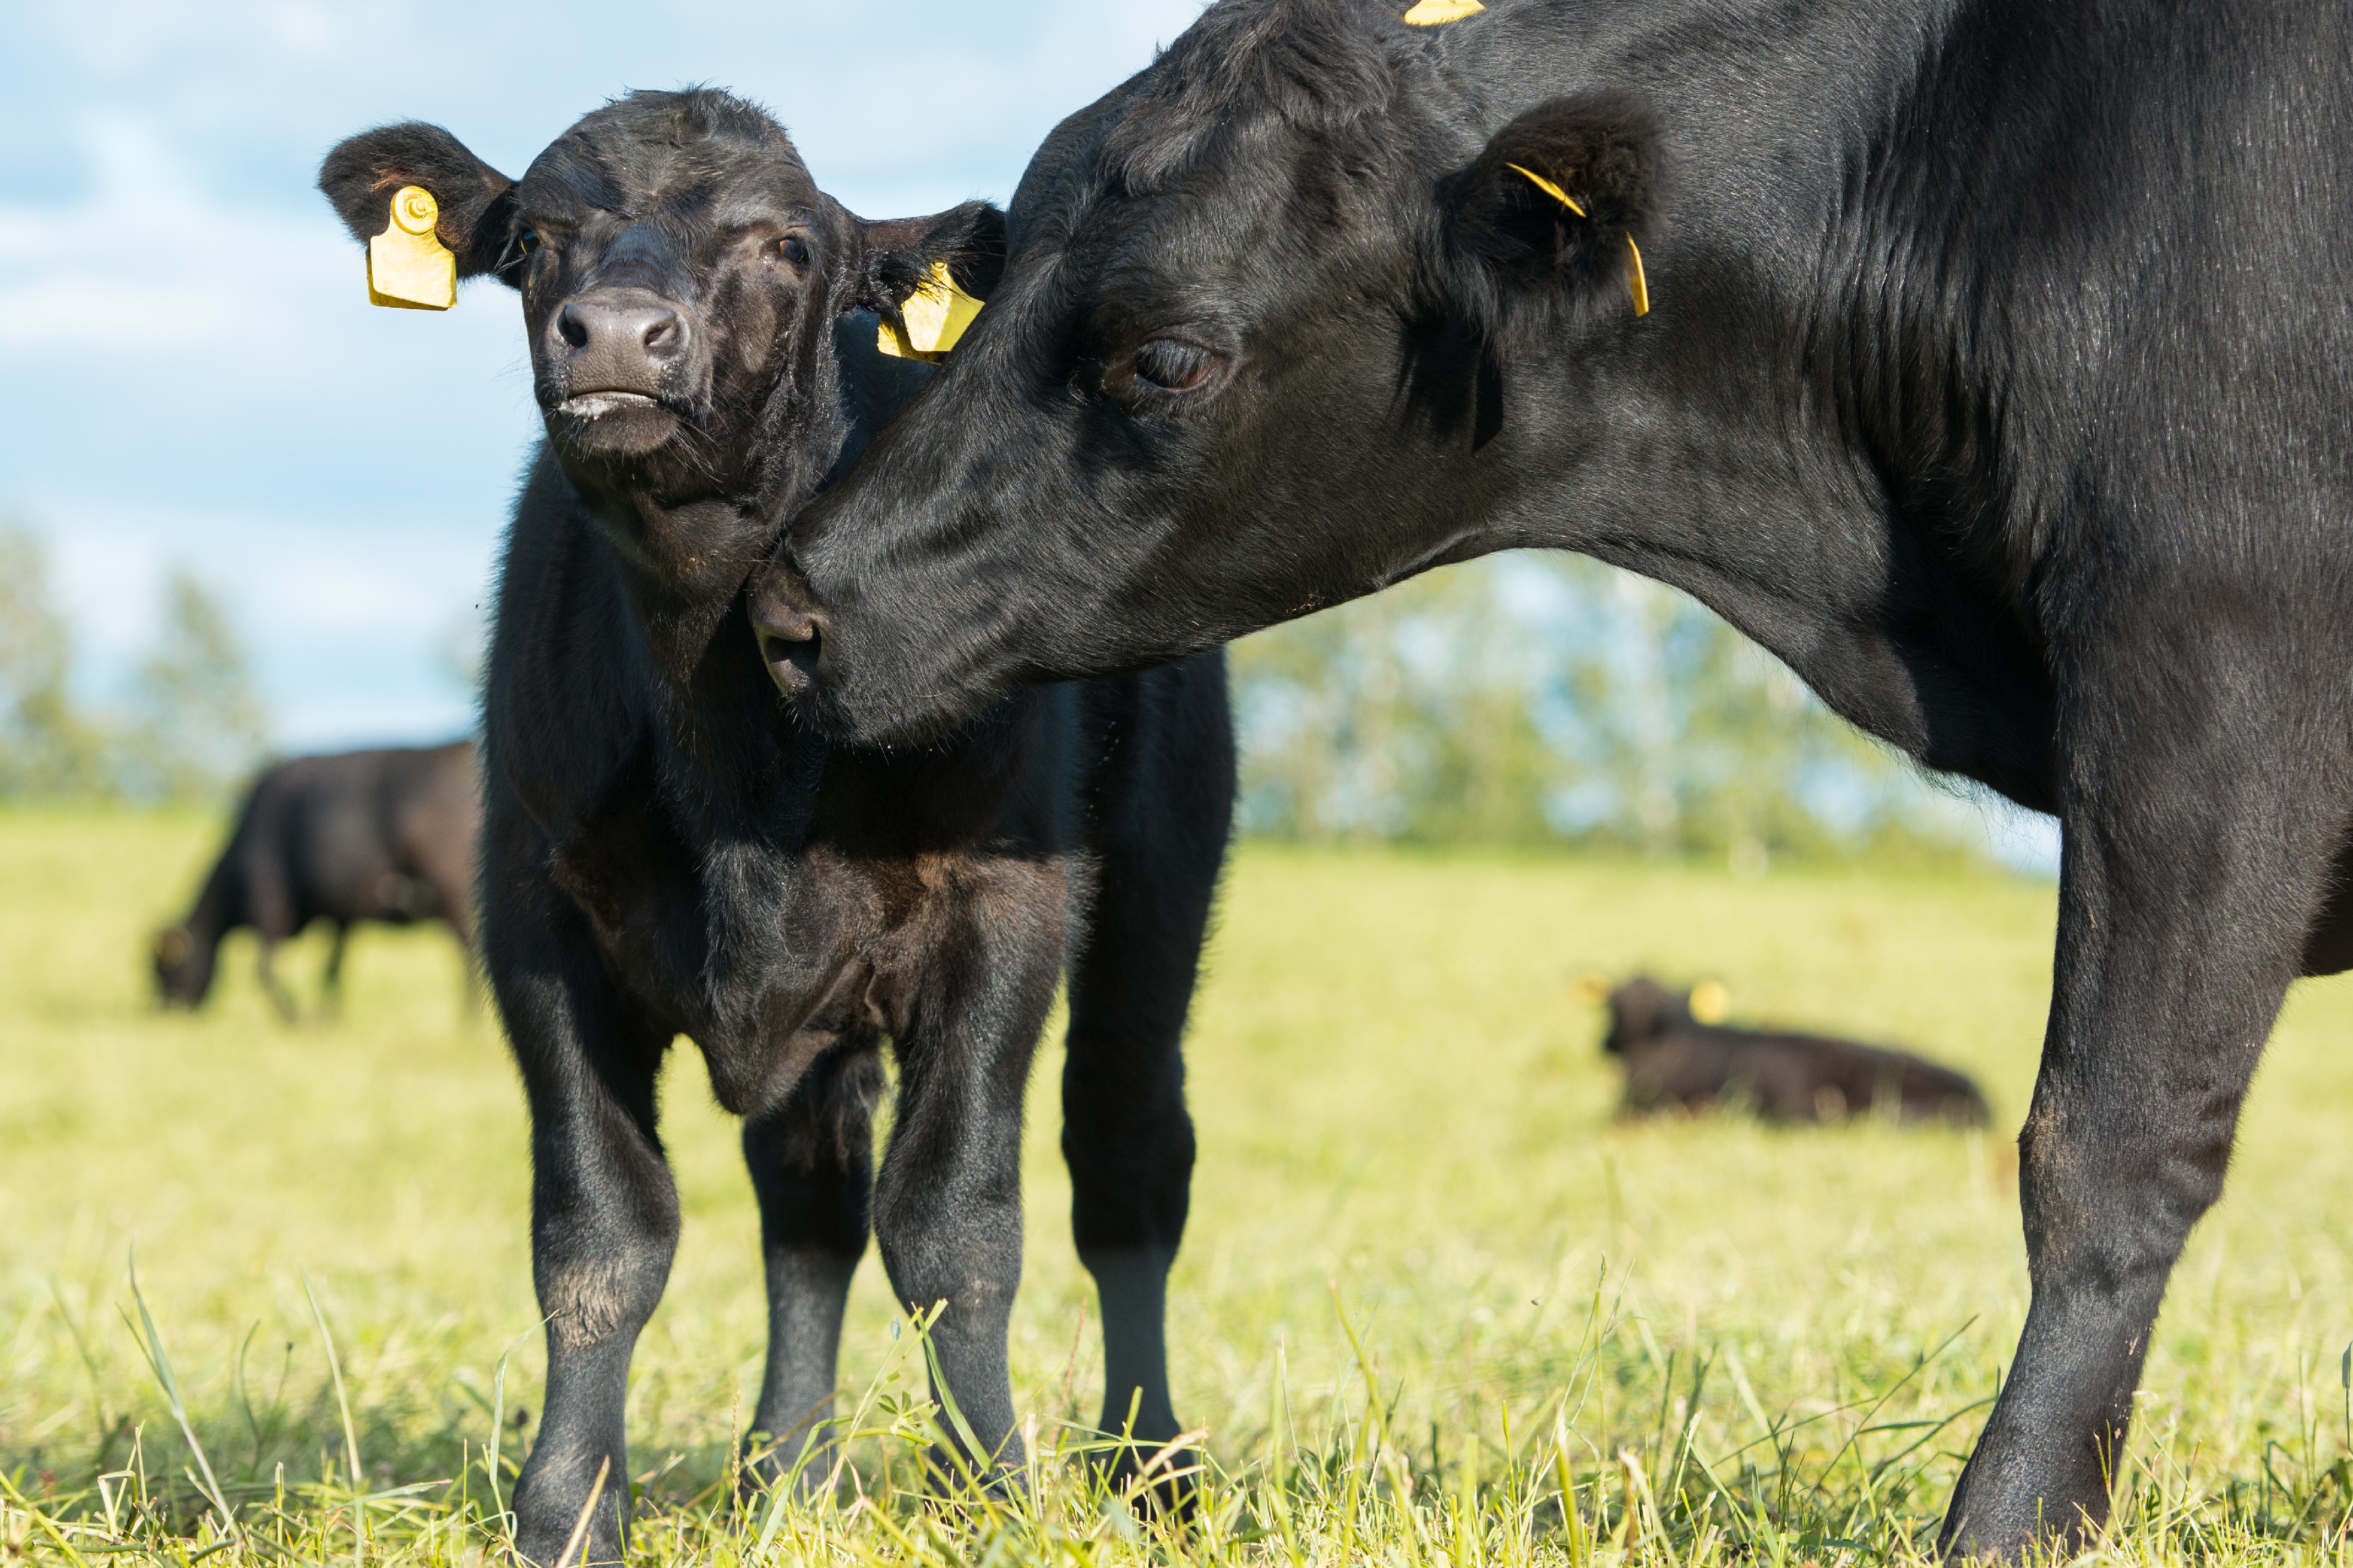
[[1723, 1342]]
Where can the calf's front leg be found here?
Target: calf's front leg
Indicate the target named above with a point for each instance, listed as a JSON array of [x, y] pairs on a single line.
[[604, 1219], [947, 1208]]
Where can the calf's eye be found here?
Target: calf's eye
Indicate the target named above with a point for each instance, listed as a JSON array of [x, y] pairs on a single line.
[[1174, 365], [794, 249]]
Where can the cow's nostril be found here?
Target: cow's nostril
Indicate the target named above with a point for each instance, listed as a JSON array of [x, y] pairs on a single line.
[[665, 335], [574, 330], [792, 659]]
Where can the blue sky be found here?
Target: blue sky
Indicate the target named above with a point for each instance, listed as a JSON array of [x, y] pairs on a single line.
[[191, 373]]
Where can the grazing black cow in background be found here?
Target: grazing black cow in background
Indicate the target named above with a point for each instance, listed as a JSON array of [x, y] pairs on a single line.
[[356, 835], [669, 850], [1994, 377], [1673, 1059]]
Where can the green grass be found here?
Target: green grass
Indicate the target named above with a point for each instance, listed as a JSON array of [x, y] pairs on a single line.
[[1732, 1343]]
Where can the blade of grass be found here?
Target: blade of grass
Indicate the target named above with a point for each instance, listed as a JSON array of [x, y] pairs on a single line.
[[160, 1362]]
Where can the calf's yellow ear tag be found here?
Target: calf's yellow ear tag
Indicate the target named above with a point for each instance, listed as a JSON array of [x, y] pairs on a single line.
[[408, 267], [936, 314], [1431, 12], [1711, 1003]]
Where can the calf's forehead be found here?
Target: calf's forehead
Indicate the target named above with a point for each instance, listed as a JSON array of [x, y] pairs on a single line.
[[638, 168]]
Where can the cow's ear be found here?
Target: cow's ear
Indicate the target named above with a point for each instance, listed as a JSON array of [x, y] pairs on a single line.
[[900, 253], [1555, 211], [476, 218]]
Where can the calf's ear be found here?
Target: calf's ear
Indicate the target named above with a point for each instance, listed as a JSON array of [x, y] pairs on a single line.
[[903, 252], [475, 220], [1554, 212], [927, 277]]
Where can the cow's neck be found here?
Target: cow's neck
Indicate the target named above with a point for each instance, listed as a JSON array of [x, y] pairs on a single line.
[[1799, 409]]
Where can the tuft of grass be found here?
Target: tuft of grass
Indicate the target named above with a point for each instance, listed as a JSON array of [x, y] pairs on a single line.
[[1435, 1304]]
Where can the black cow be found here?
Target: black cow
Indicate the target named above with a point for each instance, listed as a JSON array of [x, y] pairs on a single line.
[[1993, 377], [669, 850], [355, 835], [1674, 1060]]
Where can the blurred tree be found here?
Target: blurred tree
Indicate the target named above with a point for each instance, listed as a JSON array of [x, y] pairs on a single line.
[[1539, 697], [48, 747], [198, 725]]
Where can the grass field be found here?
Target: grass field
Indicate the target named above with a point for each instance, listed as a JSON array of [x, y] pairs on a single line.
[[1719, 1342]]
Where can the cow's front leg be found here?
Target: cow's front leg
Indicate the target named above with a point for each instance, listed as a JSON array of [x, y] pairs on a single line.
[[812, 1163], [603, 1218], [2190, 874], [947, 1208]]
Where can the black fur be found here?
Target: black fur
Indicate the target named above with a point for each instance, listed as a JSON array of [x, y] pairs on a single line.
[[1673, 1061], [669, 851], [356, 835], [1994, 380]]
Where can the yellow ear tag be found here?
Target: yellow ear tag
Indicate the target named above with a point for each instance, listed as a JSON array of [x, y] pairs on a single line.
[[1548, 188], [1637, 283], [1431, 12], [408, 267], [936, 315], [1710, 1002]]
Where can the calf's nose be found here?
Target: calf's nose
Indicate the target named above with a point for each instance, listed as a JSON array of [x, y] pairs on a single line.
[[620, 344]]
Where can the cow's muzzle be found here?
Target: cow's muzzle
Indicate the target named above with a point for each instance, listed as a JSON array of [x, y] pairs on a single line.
[[790, 629]]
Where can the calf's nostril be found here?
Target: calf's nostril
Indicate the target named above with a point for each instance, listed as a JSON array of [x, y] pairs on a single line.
[[665, 335], [574, 330]]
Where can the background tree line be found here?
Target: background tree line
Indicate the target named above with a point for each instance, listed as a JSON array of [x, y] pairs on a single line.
[[1544, 698], [189, 725]]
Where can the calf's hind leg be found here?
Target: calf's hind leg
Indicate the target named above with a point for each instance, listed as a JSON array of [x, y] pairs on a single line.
[[2193, 867], [812, 1163]]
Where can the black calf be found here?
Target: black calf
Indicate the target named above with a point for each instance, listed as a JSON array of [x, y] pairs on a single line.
[[669, 852], [1673, 1059], [359, 836]]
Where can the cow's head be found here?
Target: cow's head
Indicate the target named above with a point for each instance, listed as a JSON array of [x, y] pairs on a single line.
[[183, 967], [683, 279], [1257, 351]]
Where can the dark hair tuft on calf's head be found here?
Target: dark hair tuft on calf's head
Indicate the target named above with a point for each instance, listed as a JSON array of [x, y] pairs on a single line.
[[1316, 65]]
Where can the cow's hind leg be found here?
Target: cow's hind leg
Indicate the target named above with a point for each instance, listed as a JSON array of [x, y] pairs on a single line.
[[812, 1163], [2196, 842], [1125, 1133]]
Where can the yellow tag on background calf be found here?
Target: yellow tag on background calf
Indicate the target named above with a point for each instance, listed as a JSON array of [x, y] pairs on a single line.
[[408, 267], [936, 315], [1431, 12]]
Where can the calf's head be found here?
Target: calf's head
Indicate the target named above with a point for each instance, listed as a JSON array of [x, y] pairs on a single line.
[[1250, 358], [682, 279]]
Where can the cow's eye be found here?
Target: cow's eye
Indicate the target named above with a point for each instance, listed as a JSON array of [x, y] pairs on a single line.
[[794, 249], [527, 240], [1174, 365]]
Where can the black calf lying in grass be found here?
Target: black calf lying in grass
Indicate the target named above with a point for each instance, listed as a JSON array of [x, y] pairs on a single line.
[[1671, 1059], [669, 851], [357, 836]]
